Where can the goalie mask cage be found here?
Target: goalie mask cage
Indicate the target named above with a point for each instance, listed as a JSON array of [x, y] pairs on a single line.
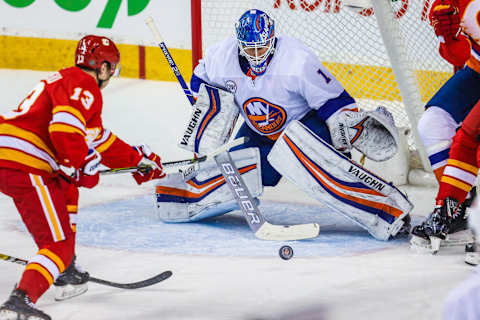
[[384, 54]]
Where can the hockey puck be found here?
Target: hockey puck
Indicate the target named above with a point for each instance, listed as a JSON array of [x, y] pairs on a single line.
[[285, 252]]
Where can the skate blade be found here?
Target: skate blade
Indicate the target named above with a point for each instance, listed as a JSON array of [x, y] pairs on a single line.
[[435, 244], [459, 238], [472, 258], [8, 315], [12, 315], [69, 291], [420, 245]]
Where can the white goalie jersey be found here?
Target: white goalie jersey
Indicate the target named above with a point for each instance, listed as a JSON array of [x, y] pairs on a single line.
[[263, 101]]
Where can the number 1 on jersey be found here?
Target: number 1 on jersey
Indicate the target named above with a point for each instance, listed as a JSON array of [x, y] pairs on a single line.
[[327, 79]]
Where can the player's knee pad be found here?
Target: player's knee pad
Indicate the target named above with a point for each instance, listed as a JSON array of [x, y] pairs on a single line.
[[341, 184], [437, 128], [181, 199]]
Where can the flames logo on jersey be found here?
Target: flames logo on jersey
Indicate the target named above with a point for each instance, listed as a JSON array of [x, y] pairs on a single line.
[[265, 116]]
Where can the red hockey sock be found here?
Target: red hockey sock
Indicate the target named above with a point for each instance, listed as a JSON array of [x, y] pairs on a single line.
[[42, 270], [461, 169]]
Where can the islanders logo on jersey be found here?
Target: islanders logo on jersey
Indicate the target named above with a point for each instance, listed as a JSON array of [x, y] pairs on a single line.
[[265, 116]]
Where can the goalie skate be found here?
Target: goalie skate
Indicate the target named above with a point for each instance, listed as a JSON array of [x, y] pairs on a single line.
[[460, 238]]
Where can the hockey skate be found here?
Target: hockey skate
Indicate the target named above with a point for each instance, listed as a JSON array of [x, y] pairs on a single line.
[[19, 306], [446, 226], [71, 283], [472, 256], [406, 227]]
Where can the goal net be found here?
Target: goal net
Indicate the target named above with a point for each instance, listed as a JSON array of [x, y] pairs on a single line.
[[384, 54]]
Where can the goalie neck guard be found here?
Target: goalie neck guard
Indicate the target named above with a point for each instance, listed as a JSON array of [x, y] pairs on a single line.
[[256, 39]]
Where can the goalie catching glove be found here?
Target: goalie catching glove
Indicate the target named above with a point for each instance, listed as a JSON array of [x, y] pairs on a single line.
[[373, 133], [150, 161]]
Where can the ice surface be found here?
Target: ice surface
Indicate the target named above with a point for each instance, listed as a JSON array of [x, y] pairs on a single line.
[[220, 271]]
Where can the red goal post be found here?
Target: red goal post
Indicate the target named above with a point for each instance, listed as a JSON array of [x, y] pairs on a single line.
[[384, 54]]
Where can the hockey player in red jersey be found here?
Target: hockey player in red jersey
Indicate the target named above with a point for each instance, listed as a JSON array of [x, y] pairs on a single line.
[[455, 23], [59, 124]]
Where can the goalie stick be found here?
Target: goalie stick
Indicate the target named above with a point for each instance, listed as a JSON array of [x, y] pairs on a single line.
[[132, 285], [179, 163], [257, 223], [159, 39]]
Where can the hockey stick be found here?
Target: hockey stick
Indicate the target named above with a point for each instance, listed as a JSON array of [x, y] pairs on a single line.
[[257, 223], [159, 39], [146, 168], [179, 163], [132, 285]]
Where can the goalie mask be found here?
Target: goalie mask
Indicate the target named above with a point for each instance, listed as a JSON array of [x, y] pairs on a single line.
[[256, 39]]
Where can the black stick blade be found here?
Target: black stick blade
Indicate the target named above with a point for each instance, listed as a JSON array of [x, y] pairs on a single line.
[[134, 285]]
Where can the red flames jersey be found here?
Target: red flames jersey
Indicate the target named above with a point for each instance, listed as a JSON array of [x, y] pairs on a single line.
[[56, 124], [470, 12], [461, 171]]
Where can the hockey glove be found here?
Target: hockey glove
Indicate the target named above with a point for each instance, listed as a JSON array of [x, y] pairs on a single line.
[[445, 20], [88, 175], [151, 165], [373, 133]]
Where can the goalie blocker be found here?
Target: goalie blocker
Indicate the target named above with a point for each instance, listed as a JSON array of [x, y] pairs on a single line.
[[212, 121], [346, 187]]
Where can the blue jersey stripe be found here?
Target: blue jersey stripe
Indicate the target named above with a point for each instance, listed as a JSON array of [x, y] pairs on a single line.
[[439, 156], [335, 104]]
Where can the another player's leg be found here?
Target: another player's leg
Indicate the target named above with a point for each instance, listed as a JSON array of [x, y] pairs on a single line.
[[41, 204], [448, 221], [449, 215], [437, 127], [73, 281]]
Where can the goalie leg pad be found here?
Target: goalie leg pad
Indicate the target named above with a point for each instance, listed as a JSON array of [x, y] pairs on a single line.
[[212, 121], [338, 182], [206, 195]]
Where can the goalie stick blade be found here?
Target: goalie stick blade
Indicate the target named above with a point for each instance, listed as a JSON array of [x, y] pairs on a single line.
[[134, 285], [270, 231], [256, 221]]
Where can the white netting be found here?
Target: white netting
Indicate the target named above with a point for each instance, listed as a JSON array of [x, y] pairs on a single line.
[[349, 43]]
